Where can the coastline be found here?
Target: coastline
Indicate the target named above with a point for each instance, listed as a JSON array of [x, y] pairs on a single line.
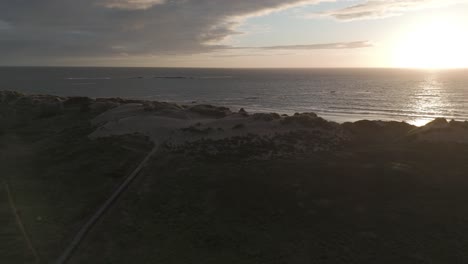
[[222, 180], [337, 95], [176, 123]]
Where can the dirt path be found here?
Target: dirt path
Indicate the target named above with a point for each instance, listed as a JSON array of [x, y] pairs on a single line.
[[14, 236], [86, 228], [20, 224]]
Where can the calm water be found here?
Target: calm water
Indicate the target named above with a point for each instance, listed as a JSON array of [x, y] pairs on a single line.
[[337, 94]]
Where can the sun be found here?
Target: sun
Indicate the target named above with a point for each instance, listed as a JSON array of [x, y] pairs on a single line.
[[438, 43]]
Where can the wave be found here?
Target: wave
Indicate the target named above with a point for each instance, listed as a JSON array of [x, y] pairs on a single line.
[[88, 83], [89, 78], [174, 77], [192, 77], [215, 77]]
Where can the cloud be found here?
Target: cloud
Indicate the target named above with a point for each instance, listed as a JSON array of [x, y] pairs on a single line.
[[4, 25], [53, 29], [131, 4], [49, 30], [375, 9], [320, 46]]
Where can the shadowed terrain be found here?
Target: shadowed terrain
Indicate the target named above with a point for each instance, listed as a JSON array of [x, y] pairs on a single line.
[[233, 187]]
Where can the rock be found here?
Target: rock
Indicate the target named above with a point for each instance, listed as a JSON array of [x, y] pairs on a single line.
[[211, 111]]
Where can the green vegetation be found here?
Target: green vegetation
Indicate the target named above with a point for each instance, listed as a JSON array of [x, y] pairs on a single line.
[[311, 192], [57, 177], [385, 203]]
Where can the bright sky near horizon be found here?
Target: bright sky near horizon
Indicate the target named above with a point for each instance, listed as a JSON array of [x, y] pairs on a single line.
[[235, 33]]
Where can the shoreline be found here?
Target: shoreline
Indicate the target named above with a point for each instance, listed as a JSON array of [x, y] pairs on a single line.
[[220, 179], [330, 115], [177, 123]]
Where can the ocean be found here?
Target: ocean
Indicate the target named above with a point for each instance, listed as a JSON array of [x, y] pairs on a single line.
[[414, 96]]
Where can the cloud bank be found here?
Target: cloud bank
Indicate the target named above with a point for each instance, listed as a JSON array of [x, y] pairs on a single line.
[[131, 4], [55, 29], [320, 46], [110, 28], [375, 9], [4, 25]]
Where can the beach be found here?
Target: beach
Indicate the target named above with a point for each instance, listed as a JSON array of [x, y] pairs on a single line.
[[228, 186]]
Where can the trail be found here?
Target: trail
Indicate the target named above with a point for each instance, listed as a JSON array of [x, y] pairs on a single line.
[[85, 229], [20, 224]]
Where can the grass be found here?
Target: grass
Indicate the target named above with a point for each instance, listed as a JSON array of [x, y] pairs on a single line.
[[388, 204], [58, 177], [374, 202]]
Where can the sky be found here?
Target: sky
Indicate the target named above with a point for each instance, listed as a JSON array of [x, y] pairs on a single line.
[[235, 33]]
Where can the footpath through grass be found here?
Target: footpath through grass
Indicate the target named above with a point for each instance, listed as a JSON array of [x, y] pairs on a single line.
[[57, 177]]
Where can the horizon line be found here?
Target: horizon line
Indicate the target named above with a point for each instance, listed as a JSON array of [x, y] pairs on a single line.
[[247, 68]]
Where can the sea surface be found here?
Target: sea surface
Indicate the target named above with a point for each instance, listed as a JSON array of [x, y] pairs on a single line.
[[414, 96]]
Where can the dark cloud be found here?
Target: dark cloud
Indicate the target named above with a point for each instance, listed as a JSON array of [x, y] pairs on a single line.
[[374, 9], [48, 30], [52, 29], [131, 4], [4, 25]]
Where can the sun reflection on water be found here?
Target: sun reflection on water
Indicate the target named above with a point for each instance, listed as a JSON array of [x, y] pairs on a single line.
[[428, 101], [419, 122]]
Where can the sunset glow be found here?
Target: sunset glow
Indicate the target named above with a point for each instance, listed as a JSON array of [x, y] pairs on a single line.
[[434, 44]]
